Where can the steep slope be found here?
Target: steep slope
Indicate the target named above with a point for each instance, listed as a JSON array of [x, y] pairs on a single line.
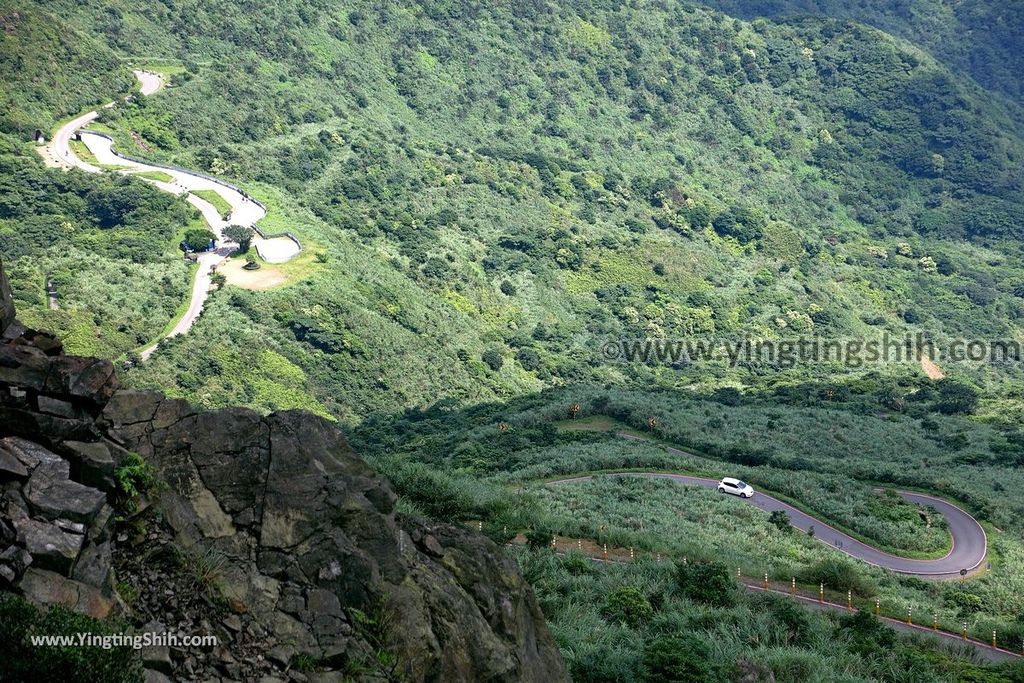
[[50, 70], [983, 39], [298, 537], [527, 183]]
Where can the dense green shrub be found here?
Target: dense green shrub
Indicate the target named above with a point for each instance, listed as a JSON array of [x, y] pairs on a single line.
[[22, 661], [708, 582], [679, 659], [629, 605], [838, 574], [780, 520]]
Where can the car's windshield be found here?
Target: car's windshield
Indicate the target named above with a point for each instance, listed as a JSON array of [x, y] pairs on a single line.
[[741, 485]]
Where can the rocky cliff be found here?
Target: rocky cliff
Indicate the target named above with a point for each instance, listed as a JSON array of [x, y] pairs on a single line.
[[266, 531], [6, 302]]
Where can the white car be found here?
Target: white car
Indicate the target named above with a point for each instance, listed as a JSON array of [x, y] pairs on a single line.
[[735, 487]]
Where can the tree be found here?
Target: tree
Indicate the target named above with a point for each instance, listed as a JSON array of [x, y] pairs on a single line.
[[198, 239], [628, 605], [241, 234], [727, 396], [780, 519], [956, 397], [678, 658], [743, 223], [493, 359], [706, 582], [528, 358], [218, 280]]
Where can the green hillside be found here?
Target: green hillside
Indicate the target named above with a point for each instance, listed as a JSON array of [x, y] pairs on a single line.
[[982, 39], [106, 243], [608, 173], [487, 195]]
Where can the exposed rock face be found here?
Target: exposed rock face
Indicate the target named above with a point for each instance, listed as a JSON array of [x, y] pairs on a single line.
[[6, 302], [310, 557], [54, 532]]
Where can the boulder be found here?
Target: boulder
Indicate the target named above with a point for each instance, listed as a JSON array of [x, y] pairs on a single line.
[[58, 407], [29, 453], [16, 560], [48, 588], [50, 546], [94, 463], [52, 495], [324, 540], [23, 367], [90, 379], [11, 467]]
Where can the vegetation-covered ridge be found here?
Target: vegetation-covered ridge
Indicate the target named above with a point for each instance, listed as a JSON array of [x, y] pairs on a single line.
[[492, 192], [982, 39], [482, 464], [686, 174]]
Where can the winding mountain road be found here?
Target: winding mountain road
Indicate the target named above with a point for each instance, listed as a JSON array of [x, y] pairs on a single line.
[[970, 543], [244, 210]]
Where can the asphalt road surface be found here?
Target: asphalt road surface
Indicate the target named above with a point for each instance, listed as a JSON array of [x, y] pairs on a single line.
[[969, 540], [244, 211]]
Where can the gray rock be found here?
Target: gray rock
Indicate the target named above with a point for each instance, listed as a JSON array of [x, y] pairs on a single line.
[[157, 657], [11, 467], [58, 407], [102, 525], [327, 677], [154, 676], [30, 454], [7, 534], [94, 566], [23, 367], [53, 495], [321, 601], [281, 654], [95, 463], [50, 546], [90, 379], [47, 588], [132, 407], [70, 527]]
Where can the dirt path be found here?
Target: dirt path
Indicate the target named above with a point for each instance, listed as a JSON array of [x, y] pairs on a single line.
[[931, 369], [266, 277]]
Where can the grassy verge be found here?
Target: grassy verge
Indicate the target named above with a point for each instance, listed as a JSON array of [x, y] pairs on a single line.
[[598, 423], [909, 554], [164, 67], [214, 198], [80, 150], [158, 176]]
